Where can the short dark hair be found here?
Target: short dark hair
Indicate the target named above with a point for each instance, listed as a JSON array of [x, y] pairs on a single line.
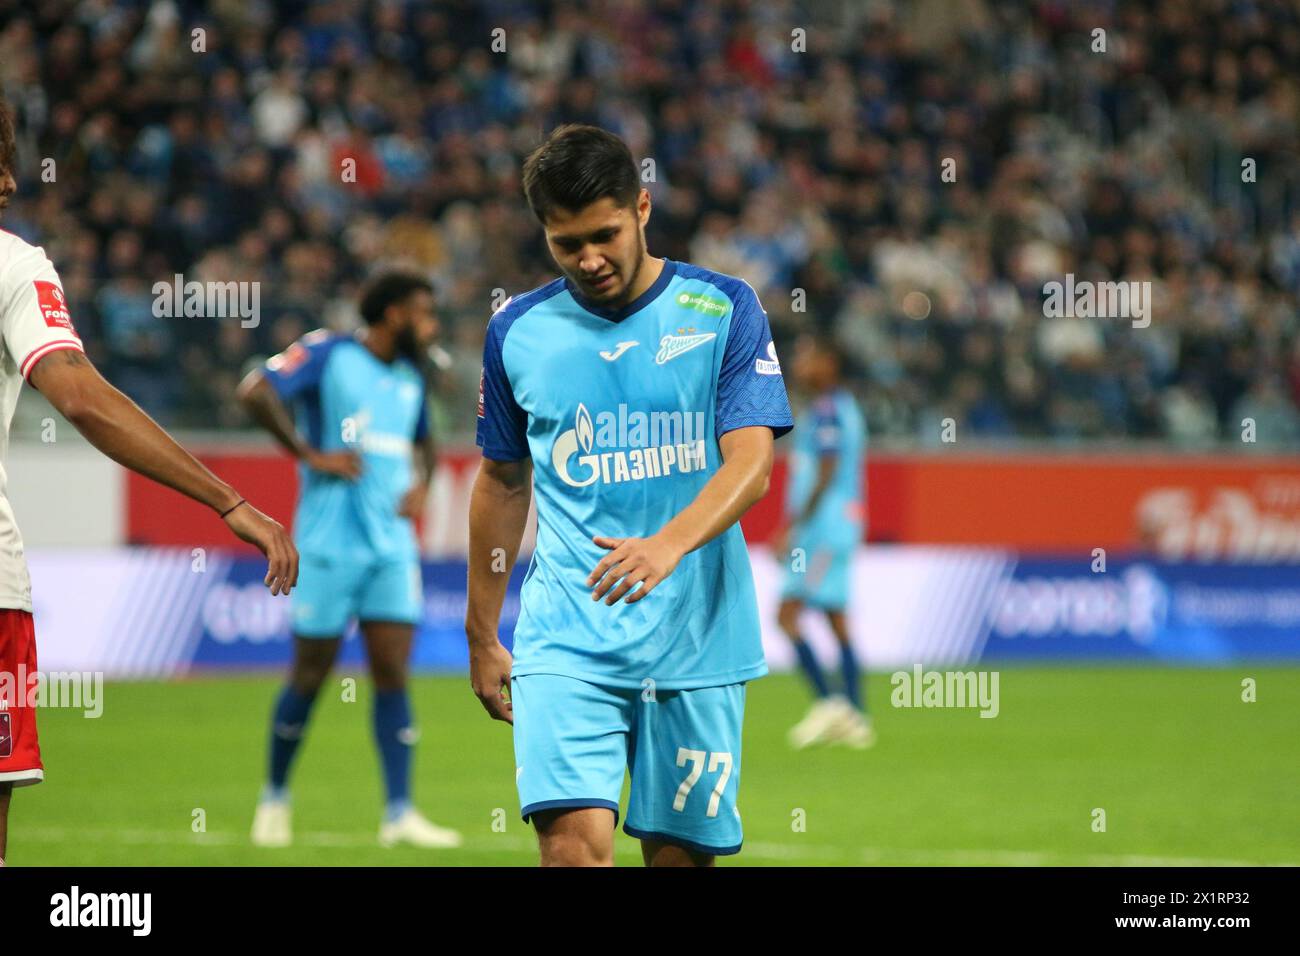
[[389, 288], [576, 166], [8, 145]]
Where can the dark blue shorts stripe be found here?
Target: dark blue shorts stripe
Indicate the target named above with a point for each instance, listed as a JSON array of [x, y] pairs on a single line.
[[572, 804], [681, 841]]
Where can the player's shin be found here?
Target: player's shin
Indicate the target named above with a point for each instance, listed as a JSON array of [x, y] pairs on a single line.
[[811, 668], [395, 738], [288, 724], [852, 676], [6, 791]]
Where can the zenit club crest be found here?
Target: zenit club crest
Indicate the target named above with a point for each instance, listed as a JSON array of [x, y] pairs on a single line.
[[671, 346]]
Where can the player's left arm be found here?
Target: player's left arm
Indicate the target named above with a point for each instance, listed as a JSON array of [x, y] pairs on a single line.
[[412, 503], [36, 328], [752, 410], [741, 481], [121, 430]]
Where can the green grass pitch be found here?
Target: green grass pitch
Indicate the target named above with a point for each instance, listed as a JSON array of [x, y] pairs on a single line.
[[1185, 771]]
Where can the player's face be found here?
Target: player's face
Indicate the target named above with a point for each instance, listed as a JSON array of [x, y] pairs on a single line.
[[804, 365], [813, 368], [8, 186], [419, 326], [600, 248]]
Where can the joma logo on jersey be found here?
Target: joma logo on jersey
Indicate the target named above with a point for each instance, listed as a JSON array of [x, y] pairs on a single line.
[[681, 452]]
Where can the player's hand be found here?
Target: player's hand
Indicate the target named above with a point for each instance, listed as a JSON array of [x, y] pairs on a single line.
[[781, 542], [341, 464], [631, 561], [489, 675], [412, 503], [249, 524]]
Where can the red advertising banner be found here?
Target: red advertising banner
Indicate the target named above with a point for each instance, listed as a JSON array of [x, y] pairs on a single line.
[[1244, 508]]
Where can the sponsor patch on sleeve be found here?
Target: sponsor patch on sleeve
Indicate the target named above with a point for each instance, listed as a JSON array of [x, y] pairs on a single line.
[[481, 374], [288, 360], [769, 365], [53, 306]]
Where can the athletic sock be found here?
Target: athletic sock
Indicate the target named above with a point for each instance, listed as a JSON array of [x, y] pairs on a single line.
[[852, 679], [288, 721], [812, 670], [392, 717]]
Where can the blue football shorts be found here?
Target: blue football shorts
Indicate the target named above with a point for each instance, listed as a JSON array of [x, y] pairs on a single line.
[[333, 591], [573, 740], [823, 581]]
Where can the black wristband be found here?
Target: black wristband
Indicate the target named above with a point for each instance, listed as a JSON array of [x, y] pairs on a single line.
[[233, 507]]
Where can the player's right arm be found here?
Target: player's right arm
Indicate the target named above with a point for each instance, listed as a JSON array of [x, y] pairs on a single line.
[[498, 514], [262, 392], [828, 445]]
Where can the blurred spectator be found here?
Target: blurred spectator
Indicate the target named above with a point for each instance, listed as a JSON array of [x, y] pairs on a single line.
[[909, 179]]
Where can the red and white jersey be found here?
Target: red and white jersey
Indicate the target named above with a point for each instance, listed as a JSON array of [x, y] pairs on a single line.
[[34, 321]]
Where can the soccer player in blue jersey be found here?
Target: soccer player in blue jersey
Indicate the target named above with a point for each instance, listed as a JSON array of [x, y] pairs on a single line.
[[639, 397], [824, 522], [360, 411]]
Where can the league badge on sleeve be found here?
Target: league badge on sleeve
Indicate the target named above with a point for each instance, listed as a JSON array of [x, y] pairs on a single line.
[[6, 735], [53, 305]]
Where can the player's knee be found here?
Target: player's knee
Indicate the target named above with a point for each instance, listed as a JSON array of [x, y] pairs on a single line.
[[787, 617], [665, 854], [839, 626], [572, 849], [574, 839], [388, 676], [307, 678]]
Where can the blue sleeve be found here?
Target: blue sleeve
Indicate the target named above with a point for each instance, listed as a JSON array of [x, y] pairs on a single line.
[[751, 390], [502, 430], [422, 423], [298, 369], [828, 431]]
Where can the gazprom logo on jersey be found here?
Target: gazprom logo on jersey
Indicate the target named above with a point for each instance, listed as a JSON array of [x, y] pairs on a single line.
[[643, 445]]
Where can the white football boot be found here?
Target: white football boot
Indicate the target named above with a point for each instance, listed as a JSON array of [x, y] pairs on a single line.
[[414, 829], [855, 730], [273, 824], [821, 724]]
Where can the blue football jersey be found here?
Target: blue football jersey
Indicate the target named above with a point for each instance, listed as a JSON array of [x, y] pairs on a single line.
[[621, 412], [836, 427], [345, 398]]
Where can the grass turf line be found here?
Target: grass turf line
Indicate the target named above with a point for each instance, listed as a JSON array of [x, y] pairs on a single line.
[[1185, 770]]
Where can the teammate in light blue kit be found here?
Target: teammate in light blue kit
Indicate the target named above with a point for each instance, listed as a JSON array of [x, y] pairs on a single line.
[[824, 515], [641, 397], [360, 408]]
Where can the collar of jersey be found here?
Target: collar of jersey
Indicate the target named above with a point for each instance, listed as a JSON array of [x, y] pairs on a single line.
[[637, 304], [386, 366]]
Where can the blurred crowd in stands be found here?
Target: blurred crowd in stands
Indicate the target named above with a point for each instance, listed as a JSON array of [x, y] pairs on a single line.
[[906, 174]]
